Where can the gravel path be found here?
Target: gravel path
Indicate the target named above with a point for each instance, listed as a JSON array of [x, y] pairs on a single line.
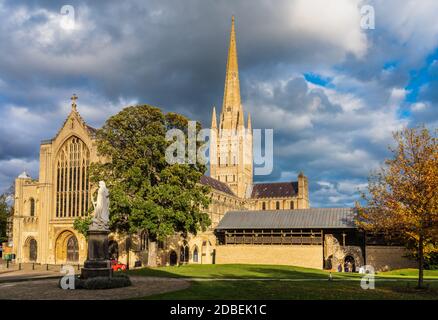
[[48, 290]]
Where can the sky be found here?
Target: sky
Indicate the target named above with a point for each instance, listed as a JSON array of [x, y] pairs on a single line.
[[332, 91]]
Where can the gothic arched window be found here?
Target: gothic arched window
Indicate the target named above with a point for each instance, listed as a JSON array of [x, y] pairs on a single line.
[[144, 241], [72, 182], [184, 253], [195, 254], [32, 207]]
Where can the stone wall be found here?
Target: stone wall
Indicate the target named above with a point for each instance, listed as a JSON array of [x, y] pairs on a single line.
[[301, 256], [388, 258]]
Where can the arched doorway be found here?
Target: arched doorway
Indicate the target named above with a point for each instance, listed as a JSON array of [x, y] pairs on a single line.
[[173, 258], [113, 248], [66, 248], [328, 265], [33, 250], [349, 264]]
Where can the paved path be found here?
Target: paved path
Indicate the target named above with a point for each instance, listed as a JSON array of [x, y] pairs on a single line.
[[24, 275], [48, 290]]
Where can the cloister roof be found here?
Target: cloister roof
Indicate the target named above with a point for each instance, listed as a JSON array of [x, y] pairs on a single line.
[[322, 218]]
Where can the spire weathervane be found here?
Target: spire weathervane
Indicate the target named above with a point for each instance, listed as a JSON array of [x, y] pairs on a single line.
[[73, 99]]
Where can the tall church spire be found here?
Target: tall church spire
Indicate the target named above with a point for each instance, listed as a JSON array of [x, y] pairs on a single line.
[[213, 119], [231, 144], [249, 123], [231, 107]]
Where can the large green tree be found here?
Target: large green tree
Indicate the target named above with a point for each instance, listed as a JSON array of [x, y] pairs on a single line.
[[402, 197], [146, 192], [4, 215]]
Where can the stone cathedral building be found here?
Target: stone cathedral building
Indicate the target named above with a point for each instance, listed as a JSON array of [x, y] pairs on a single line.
[[268, 223]]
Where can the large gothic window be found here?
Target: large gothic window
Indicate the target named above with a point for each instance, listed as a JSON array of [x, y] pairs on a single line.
[[72, 183]]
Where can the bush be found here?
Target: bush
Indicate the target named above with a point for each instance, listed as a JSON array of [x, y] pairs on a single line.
[[98, 283], [431, 267]]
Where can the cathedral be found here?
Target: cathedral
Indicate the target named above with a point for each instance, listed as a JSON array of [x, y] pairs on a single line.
[[266, 223]]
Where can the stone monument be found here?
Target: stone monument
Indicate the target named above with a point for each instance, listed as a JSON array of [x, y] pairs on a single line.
[[98, 263]]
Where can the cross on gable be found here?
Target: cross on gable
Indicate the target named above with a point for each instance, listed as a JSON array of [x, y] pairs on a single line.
[[73, 100]]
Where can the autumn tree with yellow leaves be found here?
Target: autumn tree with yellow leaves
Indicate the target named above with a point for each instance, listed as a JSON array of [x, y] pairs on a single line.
[[402, 197]]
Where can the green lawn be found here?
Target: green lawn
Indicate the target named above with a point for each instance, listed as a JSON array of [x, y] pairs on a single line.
[[240, 271], [232, 271], [409, 274], [398, 284]]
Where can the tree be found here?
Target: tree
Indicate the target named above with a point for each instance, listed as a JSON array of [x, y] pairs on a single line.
[[4, 215], [402, 196], [147, 193]]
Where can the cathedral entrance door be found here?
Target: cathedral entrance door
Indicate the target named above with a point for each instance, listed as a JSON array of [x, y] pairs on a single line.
[[33, 250], [72, 249]]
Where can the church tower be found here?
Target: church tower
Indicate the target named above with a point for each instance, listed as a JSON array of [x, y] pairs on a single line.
[[231, 158]]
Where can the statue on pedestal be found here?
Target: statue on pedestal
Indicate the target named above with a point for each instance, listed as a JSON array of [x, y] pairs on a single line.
[[101, 209], [98, 263]]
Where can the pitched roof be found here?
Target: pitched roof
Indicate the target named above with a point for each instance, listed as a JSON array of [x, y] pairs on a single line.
[[91, 130], [216, 184], [330, 218], [24, 175], [274, 190]]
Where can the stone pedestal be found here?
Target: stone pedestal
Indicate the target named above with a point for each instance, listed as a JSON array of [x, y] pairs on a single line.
[[97, 263]]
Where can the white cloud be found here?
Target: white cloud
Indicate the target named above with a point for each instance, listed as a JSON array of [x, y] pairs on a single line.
[[336, 23], [11, 168], [419, 106], [411, 23]]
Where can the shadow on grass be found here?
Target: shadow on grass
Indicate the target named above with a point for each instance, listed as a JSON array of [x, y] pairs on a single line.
[[281, 290], [245, 271]]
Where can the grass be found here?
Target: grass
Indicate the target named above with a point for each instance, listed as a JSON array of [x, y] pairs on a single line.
[[398, 284], [232, 271], [409, 274], [280, 290], [240, 271]]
